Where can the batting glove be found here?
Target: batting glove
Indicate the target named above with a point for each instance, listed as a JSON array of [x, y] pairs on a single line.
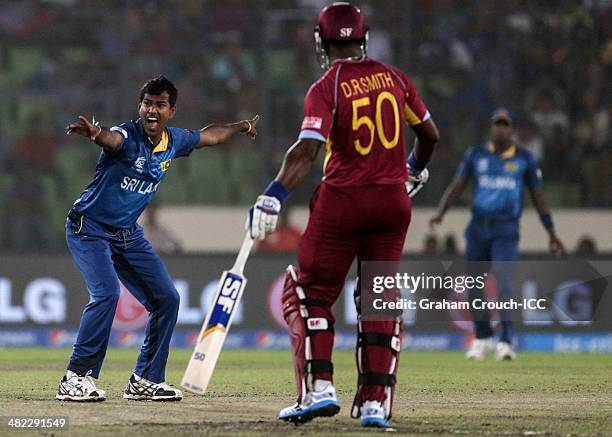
[[416, 182], [263, 216], [418, 176]]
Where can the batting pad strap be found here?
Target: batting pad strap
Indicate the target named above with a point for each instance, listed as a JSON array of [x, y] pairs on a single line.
[[319, 366], [375, 378], [314, 302], [384, 340]]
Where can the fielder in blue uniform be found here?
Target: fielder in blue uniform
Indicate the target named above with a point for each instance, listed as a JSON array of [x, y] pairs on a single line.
[[499, 171], [109, 246]]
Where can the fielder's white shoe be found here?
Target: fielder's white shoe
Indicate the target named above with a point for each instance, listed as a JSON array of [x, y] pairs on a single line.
[[373, 415], [77, 388], [140, 389], [480, 348], [315, 404], [503, 351]]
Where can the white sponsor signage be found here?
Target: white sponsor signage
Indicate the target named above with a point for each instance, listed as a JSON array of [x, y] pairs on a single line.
[[44, 301]]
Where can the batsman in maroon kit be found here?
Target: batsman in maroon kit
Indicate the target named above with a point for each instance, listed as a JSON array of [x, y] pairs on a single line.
[[362, 208]]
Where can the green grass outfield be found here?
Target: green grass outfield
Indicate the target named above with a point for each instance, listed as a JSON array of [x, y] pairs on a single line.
[[438, 393]]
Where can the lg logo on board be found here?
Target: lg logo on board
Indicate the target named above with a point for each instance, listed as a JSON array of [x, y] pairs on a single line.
[[44, 301]]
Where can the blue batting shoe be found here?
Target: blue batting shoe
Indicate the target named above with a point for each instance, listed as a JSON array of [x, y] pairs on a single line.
[[373, 415], [315, 404]]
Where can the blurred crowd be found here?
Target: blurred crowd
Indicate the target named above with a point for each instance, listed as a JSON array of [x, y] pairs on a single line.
[[549, 62]]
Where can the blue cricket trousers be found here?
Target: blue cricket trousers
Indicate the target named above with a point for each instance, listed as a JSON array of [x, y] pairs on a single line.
[[496, 241], [106, 255]]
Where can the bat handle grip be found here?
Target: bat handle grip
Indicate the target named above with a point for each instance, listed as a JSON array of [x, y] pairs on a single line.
[[245, 249]]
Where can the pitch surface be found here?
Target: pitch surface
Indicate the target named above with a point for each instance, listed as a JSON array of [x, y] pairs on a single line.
[[438, 393]]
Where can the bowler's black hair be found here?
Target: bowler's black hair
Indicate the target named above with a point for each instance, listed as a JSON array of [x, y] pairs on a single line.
[[157, 86]]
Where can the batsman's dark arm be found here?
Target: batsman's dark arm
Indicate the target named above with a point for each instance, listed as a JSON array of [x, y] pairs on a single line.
[[426, 138], [298, 162]]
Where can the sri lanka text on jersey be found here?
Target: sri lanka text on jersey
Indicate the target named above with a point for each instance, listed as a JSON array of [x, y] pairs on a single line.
[[138, 185]]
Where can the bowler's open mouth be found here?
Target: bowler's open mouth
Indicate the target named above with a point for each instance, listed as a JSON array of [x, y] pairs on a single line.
[[152, 121]]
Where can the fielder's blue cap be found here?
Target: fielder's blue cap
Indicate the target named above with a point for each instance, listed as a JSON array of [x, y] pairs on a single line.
[[501, 114]]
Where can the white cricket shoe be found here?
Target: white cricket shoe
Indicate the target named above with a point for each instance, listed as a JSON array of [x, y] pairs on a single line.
[[373, 415], [504, 351], [322, 403], [480, 348], [140, 389], [77, 388]]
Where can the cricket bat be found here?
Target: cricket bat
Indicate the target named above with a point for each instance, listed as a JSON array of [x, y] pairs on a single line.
[[217, 324]]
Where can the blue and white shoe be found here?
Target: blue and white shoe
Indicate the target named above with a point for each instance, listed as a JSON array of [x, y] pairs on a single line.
[[77, 388], [373, 415], [315, 404]]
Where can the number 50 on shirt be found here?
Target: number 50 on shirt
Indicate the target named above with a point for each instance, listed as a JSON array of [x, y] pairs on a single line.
[[376, 126]]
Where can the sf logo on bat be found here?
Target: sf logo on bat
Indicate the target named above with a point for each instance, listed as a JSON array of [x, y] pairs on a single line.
[[229, 293]]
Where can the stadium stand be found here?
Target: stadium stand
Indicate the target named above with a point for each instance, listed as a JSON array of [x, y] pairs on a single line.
[[550, 63]]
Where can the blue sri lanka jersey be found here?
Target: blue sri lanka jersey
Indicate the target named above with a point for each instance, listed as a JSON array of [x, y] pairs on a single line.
[[127, 179], [499, 180]]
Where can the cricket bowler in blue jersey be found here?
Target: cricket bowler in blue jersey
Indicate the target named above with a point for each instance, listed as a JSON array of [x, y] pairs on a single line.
[[500, 171], [109, 246]]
